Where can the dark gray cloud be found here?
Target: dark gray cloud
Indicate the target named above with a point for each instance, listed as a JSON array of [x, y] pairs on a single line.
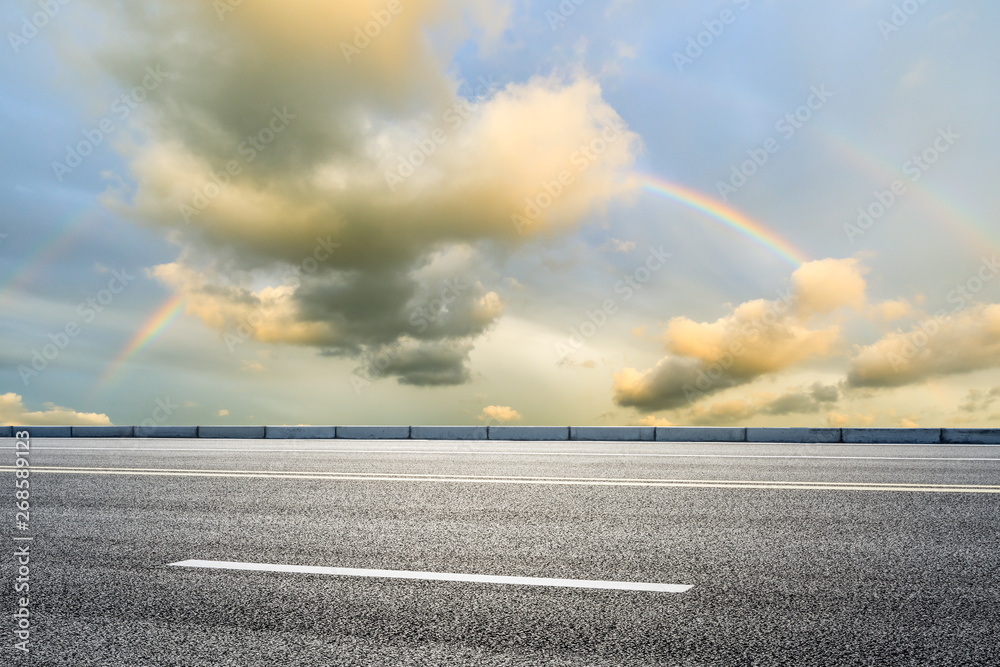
[[978, 400], [265, 145], [423, 364], [674, 383], [817, 398]]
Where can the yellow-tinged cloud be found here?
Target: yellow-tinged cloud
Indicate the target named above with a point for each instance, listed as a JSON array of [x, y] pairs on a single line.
[[14, 413], [828, 284], [268, 315], [837, 420], [283, 128], [889, 311], [757, 338], [811, 400], [947, 344], [653, 420], [500, 413]]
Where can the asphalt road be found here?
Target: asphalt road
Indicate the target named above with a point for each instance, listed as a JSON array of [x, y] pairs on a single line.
[[795, 554]]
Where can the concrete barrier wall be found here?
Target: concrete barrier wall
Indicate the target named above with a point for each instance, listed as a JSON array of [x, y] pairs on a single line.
[[231, 432], [804, 435], [373, 432], [166, 431], [102, 431], [529, 433], [448, 433], [701, 434], [974, 436], [300, 432], [47, 431], [917, 436], [612, 433]]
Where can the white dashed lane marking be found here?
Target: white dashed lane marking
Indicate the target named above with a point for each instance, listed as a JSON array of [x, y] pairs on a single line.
[[437, 576]]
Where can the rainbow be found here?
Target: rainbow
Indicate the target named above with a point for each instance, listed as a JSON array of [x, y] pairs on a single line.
[[728, 216], [33, 262], [976, 233], [147, 333]]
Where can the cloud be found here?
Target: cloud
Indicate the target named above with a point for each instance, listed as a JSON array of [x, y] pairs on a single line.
[[757, 338], [837, 420], [814, 400], [413, 174], [222, 413], [500, 413], [569, 362], [804, 400], [625, 51], [888, 311], [948, 344], [672, 383], [253, 366], [828, 284], [424, 364], [14, 413], [721, 414], [616, 245], [652, 420], [978, 400]]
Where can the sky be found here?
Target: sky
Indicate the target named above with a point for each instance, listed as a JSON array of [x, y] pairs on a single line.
[[740, 212]]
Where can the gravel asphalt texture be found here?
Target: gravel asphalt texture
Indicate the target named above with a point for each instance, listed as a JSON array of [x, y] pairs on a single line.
[[780, 576]]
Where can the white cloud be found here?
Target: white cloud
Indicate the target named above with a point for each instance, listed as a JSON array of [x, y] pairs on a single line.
[[500, 413], [14, 413]]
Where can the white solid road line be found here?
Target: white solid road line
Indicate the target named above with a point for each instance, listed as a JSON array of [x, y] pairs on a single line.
[[555, 481], [274, 450], [436, 576]]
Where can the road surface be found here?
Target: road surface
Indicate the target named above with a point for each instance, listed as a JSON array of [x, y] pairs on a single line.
[[177, 552]]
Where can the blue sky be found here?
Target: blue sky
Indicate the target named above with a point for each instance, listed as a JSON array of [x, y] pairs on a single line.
[[315, 290]]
